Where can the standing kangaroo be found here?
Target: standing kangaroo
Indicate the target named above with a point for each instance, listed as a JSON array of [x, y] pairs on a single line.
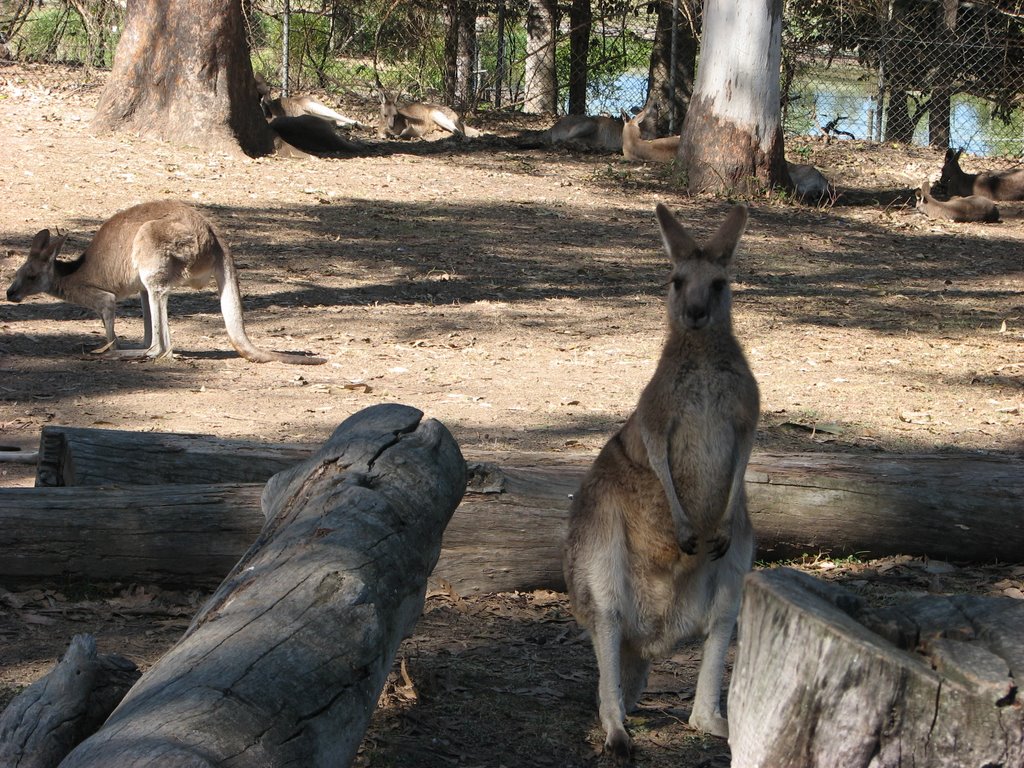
[[659, 537], [960, 209], [1000, 185], [635, 147], [147, 249]]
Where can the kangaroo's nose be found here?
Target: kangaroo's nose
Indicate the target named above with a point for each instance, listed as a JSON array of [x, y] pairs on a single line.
[[12, 296], [697, 317]]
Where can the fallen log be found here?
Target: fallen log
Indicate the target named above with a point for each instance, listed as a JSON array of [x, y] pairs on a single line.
[[175, 535], [962, 507], [58, 711], [284, 663], [86, 456], [822, 681]]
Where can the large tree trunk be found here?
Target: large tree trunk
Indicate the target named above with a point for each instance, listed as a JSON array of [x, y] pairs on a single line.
[[182, 74], [732, 134], [541, 78], [821, 681], [579, 55], [899, 123], [465, 80], [940, 102], [669, 98], [284, 663], [460, 53]]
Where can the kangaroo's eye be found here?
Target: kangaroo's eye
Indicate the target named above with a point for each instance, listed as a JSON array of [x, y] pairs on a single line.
[[678, 283], [718, 285]]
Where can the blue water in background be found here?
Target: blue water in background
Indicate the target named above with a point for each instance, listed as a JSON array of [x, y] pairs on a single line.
[[971, 128]]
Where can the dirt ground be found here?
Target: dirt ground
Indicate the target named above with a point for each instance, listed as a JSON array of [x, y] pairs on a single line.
[[516, 296]]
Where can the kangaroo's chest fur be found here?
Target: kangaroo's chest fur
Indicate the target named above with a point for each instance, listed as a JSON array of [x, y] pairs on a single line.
[[708, 405], [706, 401]]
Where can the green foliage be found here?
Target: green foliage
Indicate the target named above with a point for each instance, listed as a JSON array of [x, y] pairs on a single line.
[[56, 33]]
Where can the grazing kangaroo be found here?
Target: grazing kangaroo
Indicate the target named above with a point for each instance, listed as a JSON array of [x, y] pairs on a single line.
[[297, 106], [1000, 185], [416, 119], [659, 537], [147, 249], [635, 147], [601, 133], [962, 209]]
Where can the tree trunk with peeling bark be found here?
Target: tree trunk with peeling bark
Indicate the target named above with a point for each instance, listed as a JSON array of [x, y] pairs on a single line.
[[182, 74], [284, 663], [540, 94], [732, 134], [823, 681]]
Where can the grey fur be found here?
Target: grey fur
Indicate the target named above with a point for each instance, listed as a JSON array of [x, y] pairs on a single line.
[[148, 250], [659, 536]]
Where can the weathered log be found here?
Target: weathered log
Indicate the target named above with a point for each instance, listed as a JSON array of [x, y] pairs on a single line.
[[175, 535], [284, 664], [822, 681], [88, 456], [963, 507], [54, 714]]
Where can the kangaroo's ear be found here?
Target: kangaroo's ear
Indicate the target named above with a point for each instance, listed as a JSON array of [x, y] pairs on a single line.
[[678, 243], [39, 242], [926, 188], [625, 115], [44, 247], [722, 246]]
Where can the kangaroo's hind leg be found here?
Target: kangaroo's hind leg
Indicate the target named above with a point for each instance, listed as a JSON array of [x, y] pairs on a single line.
[[606, 635], [635, 669]]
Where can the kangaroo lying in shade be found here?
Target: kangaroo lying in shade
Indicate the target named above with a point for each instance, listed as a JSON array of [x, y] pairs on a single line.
[[148, 249], [600, 133], [962, 209], [659, 536], [635, 147], [296, 106], [416, 119], [1001, 185]]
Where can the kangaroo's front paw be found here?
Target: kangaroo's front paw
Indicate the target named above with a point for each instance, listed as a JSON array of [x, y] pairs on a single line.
[[719, 545], [687, 543]]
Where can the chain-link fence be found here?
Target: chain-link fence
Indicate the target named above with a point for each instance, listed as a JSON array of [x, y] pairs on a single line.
[[942, 72]]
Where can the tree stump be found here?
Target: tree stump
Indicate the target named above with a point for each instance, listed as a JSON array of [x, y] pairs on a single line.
[[284, 664], [54, 714], [823, 681]]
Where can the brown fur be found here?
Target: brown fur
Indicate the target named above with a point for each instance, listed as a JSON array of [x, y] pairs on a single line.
[[147, 249], [808, 182], [962, 209], [297, 106], [310, 135], [659, 537], [600, 133], [999, 185], [416, 119], [635, 147]]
